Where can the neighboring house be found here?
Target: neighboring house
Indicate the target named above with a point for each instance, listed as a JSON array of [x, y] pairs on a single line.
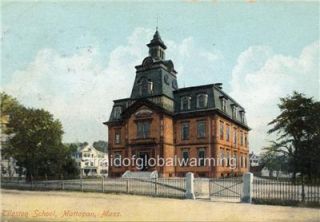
[[254, 159], [8, 165], [265, 172], [160, 119], [91, 161]]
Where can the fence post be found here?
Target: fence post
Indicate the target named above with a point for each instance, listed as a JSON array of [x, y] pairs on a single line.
[[81, 184], [246, 196], [62, 184], [190, 186], [127, 185], [102, 184], [155, 186]]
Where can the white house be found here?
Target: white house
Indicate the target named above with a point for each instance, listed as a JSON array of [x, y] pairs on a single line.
[[91, 161], [254, 159], [8, 166]]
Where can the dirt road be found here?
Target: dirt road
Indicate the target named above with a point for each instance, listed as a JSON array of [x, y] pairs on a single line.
[[77, 206]]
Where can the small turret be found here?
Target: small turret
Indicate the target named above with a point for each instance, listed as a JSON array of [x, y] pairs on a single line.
[[157, 47]]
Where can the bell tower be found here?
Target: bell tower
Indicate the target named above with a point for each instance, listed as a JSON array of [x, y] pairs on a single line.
[[155, 77]]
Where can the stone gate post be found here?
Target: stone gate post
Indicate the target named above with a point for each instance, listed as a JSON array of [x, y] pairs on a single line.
[[246, 195], [190, 186]]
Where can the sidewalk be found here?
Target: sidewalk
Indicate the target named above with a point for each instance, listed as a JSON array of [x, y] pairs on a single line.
[[77, 206]]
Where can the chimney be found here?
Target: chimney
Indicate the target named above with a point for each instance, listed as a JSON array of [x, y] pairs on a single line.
[[219, 85]]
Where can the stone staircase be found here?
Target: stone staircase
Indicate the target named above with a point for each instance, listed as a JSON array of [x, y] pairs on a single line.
[[140, 174]]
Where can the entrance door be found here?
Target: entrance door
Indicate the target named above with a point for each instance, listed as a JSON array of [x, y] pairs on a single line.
[[144, 156]]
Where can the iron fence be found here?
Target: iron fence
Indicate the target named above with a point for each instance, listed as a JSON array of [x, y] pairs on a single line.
[[164, 187], [264, 190], [285, 191]]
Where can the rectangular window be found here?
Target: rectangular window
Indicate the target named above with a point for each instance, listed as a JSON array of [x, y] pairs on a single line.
[[235, 112], [221, 130], [150, 87], [222, 160], [185, 157], [245, 161], [185, 103], [242, 116], [202, 100], [235, 136], [228, 158], [201, 129], [246, 140], [117, 112], [185, 131], [201, 156], [228, 133], [223, 104], [117, 136], [143, 129], [241, 138], [117, 159]]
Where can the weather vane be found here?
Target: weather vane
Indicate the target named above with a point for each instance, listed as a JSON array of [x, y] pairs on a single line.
[[157, 22]]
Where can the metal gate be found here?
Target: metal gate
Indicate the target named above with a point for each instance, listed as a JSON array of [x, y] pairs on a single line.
[[201, 188], [229, 188]]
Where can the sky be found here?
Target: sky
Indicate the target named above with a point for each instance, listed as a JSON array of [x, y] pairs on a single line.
[[73, 58]]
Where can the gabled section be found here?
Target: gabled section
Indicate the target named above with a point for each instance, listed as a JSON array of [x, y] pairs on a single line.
[[141, 107]]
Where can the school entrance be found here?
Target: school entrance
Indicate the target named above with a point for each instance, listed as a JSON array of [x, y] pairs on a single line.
[[225, 189]]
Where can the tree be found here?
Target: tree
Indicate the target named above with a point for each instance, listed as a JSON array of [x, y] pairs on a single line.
[[36, 141], [298, 131], [101, 146], [273, 160], [9, 106]]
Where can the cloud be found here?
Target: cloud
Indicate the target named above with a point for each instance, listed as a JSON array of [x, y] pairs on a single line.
[[79, 88], [192, 61], [261, 77]]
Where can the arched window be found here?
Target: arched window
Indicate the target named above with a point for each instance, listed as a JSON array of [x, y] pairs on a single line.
[[185, 103], [150, 87], [202, 100], [117, 159]]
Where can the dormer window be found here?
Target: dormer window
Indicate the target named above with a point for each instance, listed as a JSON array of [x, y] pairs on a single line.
[[234, 112], [202, 100], [185, 103], [117, 112], [223, 104], [145, 87], [242, 116]]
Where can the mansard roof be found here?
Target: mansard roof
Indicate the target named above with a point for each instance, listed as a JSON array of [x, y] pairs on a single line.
[[215, 95], [158, 76]]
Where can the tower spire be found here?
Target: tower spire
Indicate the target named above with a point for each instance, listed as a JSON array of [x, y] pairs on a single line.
[[157, 46], [157, 22]]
